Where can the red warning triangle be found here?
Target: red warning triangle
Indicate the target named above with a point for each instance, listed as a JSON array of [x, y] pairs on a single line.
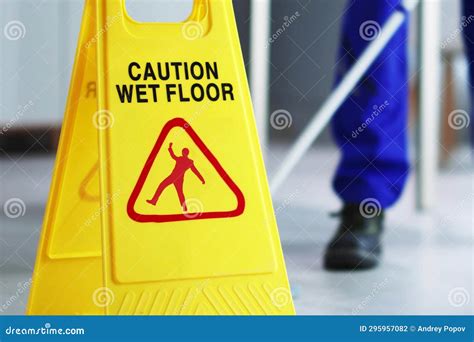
[[181, 123]]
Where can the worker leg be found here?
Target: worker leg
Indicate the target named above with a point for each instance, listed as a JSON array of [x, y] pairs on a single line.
[[370, 128]]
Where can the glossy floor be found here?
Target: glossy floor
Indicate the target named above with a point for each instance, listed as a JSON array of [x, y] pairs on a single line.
[[427, 266]]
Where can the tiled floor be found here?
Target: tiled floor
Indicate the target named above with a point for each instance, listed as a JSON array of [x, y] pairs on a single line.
[[427, 266]]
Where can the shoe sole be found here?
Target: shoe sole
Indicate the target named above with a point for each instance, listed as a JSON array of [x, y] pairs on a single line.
[[350, 259]]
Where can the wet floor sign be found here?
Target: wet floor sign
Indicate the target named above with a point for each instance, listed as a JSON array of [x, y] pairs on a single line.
[[159, 202]]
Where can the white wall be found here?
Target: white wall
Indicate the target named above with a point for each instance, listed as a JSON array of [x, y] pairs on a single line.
[[36, 65]]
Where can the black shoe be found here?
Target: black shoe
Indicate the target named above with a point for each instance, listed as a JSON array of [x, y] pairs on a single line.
[[357, 241]]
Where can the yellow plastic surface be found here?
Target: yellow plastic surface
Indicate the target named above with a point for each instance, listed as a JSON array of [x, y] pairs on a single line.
[[208, 244], [69, 265]]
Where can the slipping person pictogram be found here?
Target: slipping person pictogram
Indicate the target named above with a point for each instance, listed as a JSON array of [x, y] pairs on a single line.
[[176, 177]]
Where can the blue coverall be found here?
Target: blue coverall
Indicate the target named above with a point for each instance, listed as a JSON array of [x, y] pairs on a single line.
[[370, 128]]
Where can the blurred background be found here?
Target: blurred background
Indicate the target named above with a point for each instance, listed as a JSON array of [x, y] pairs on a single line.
[[428, 262]]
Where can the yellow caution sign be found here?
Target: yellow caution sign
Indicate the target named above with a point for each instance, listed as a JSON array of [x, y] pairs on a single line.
[[181, 221]]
